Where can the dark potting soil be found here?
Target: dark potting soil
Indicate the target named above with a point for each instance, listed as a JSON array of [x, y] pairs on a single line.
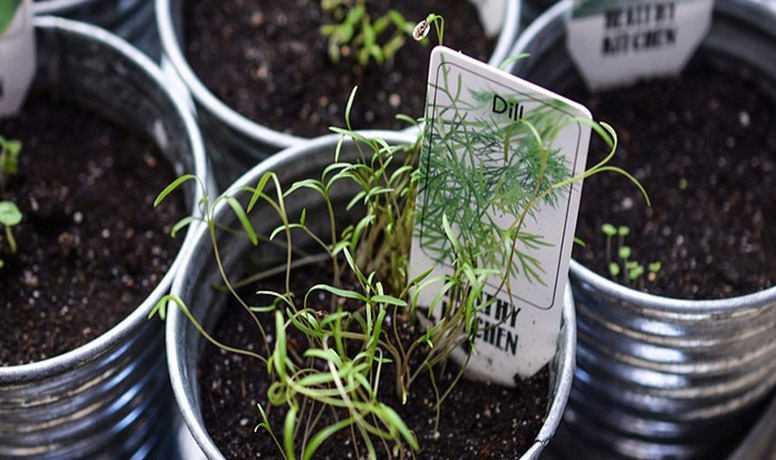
[[704, 147], [90, 245], [478, 420], [268, 60]]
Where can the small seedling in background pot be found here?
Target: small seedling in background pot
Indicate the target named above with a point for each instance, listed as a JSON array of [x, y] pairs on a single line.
[[620, 265], [355, 32], [9, 212], [9, 159], [9, 217]]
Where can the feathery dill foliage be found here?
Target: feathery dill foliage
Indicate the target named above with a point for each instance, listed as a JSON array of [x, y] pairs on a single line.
[[508, 169], [356, 32], [9, 212], [339, 374]]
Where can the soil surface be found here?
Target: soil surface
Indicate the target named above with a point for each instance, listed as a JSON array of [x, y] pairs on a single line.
[[704, 147], [478, 421], [90, 245], [268, 60]]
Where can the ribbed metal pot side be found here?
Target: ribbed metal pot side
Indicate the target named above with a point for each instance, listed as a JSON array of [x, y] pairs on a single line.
[[760, 443], [110, 397], [192, 283], [235, 141], [661, 377]]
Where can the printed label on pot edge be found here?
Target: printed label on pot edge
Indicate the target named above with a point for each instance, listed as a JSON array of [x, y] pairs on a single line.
[[616, 42], [17, 53], [485, 173]]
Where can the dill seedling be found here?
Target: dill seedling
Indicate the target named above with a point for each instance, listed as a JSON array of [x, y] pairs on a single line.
[[334, 383], [9, 216], [9, 213], [9, 160], [618, 256], [347, 350], [356, 32]]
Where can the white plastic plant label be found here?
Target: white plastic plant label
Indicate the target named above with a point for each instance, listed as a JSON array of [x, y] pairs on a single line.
[[616, 42], [492, 13], [496, 150], [17, 53]]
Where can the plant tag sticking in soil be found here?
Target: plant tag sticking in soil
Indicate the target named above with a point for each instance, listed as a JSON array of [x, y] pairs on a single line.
[[491, 14], [485, 175], [616, 42], [17, 53]]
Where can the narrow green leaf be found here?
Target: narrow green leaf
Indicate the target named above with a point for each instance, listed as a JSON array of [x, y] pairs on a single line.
[[257, 192], [243, 218], [174, 185], [326, 355], [344, 293], [288, 432], [280, 346], [323, 435], [396, 423], [181, 224], [512, 59], [303, 217], [349, 107], [388, 300]]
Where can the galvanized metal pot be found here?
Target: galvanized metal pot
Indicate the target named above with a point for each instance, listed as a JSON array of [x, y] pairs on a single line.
[[110, 398], [132, 20], [196, 276], [531, 9], [760, 443], [659, 377], [234, 142]]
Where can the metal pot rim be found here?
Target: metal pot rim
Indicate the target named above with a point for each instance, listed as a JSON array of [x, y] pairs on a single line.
[[72, 359], [171, 48], [176, 365], [57, 7], [607, 287]]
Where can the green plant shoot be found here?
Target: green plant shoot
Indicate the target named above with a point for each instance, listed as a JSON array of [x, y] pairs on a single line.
[[9, 159], [620, 265], [355, 32], [10, 215], [334, 383]]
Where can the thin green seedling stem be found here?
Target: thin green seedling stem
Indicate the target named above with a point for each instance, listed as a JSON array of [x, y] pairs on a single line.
[[266, 425], [455, 380], [307, 260], [333, 230], [387, 345], [355, 440], [11, 240], [404, 355], [442, 342], [231, 289], [437, 406], [182, 307]]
